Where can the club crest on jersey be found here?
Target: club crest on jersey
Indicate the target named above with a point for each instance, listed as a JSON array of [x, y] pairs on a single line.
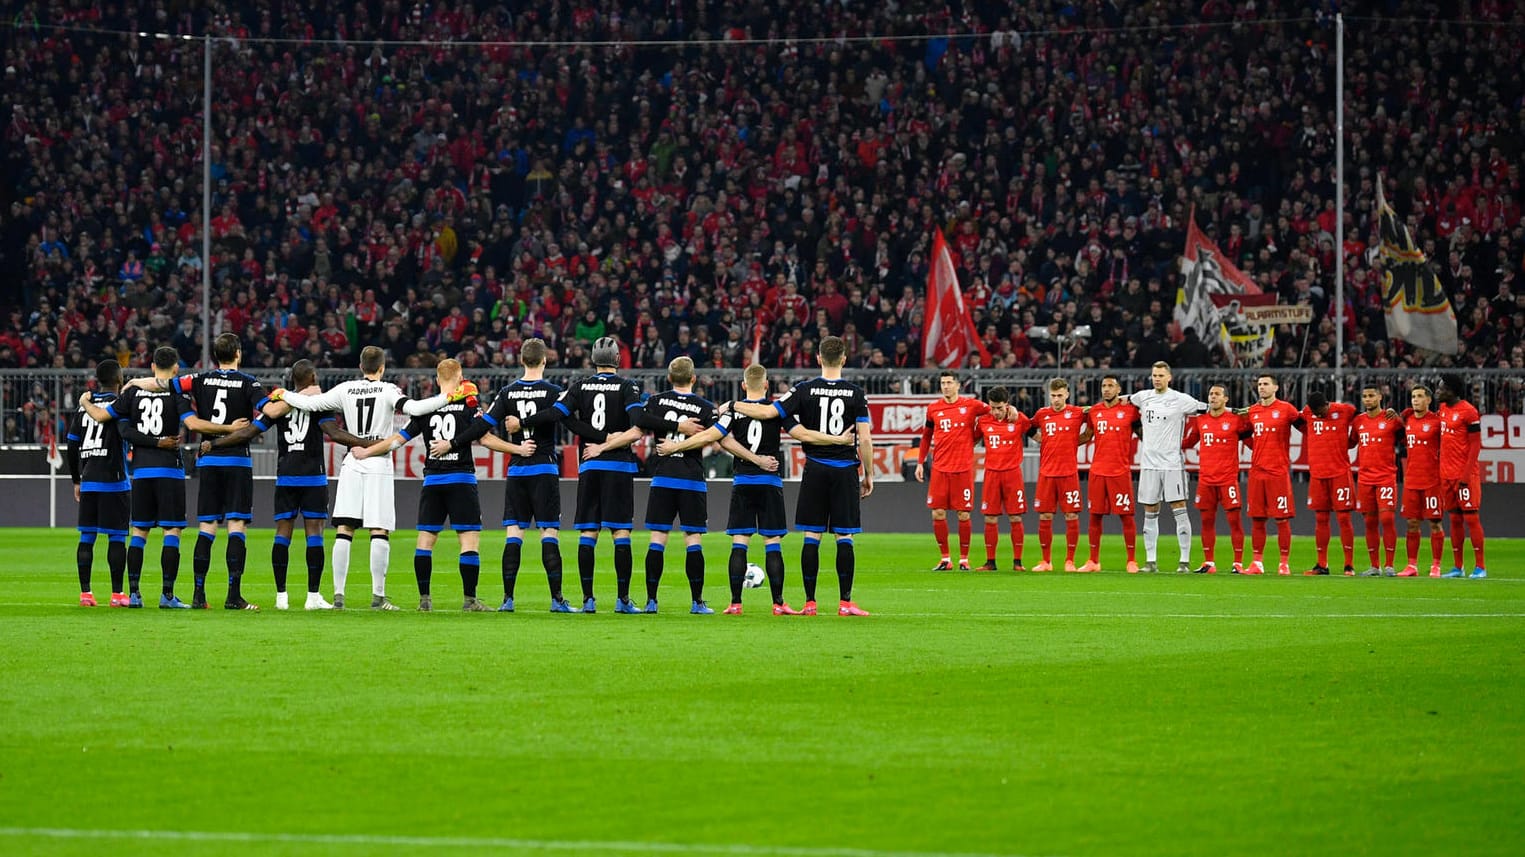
[[962, 411], [1381, 425], [1275, 415], [1225, 426], [1119, 414]]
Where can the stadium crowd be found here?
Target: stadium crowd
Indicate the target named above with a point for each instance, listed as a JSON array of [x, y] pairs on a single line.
[[451, 199]]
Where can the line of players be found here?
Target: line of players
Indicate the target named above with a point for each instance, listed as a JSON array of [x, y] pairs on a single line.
[[606, 412], [1441, 473]]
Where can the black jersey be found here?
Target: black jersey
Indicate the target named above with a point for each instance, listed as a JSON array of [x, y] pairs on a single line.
[[97, 454], [145, 416], [524, 399], [223, 396], [605, 402], [299, 448], [684, 471], [761, 437], [829, 407], [456, 466]]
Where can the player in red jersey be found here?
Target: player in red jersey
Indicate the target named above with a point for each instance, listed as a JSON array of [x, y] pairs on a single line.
[[1216, 434], [1113, 425], [1003, 492], [1421, 480], [950, 431], [1270, 423], [1058, 427], [1460, 477], [1326, 429], [1378, 434]]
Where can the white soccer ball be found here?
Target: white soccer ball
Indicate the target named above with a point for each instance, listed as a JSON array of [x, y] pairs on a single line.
[[755, 576]]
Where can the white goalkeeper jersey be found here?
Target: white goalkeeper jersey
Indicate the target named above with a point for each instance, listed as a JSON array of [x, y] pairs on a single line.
[[369, 409], [1164, 419]]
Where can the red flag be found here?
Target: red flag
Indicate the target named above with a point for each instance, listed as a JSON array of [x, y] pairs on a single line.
[[55, 460], [948, 334], [756, 345]]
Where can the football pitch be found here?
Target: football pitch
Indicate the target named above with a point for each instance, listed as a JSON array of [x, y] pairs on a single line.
[[988, 714]]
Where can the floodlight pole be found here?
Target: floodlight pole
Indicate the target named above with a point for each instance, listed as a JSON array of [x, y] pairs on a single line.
[[1339, 197], [206, 203]]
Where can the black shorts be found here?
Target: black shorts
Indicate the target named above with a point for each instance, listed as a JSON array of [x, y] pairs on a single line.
[[104, 512], [605, 499], [158, 503], [757, 509], [828, 500], [459, 502], [690, 508], [532, 500], [309, 501], [225, 493]]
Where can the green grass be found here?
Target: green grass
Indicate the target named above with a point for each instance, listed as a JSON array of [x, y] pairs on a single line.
[[995, 714]]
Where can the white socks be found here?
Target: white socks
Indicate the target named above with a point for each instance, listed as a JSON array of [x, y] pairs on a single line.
[[1151, 533], [1183, 532], [381, 554], [341, 563]]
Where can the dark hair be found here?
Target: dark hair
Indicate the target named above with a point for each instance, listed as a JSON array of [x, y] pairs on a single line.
[[532, 352], [166, 357], [226, 347], [947, 373], [1317, 400], [1111, 377], [108, 374], [303, 374], [997, 396], [832, 351]]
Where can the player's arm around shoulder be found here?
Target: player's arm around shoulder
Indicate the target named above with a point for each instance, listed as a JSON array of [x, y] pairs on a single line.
[[866, 458]]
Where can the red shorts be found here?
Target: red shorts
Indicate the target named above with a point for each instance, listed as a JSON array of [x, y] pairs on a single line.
[[1376, 498], [951, 490], [1211, 498], [1003, 493], [1333, 494], [1111, 495], [1271, 496], [1421, 504], [1461, 495], [1057, 494]]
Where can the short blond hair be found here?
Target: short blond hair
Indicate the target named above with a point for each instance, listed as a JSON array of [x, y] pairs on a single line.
[[1160, 364], [756, 377], [448, 369], [681, 371]]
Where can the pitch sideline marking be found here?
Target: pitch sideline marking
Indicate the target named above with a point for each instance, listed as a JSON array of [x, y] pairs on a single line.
[[466, 842]]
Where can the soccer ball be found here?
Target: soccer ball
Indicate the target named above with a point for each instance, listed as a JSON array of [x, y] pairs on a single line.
[[755, 576]]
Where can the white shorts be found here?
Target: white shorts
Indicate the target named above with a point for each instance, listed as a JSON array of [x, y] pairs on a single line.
[[1157, 486], [365, 497]]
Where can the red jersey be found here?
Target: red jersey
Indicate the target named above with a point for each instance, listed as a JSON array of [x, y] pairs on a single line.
[[1271, 425], [1217, 446], [1112, 435], [1376, 448], [949, 433], [1058, 440], [1328, 440], [1422, 435], [1003, 440], [1460, 440]]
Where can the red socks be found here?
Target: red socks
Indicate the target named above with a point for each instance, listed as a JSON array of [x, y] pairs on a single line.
[[1071, 538], [940, 530], [1284, 539], [1236, 534], [965, 536], [1389, 525], [992, 536], [1093, 535], [1458, 537], [1347, 537], [1018, 533], [1046, 538], [1320, 536], [1130, 534], [1209, 536], [1258, 538]]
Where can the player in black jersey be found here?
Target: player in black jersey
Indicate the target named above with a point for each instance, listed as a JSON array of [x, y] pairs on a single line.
[[449, 492], [830, 489], [532, 494], [301, 480], [757, 492], [225, 396], [150, 420], [97, 458], [603, 403], [678, 489]]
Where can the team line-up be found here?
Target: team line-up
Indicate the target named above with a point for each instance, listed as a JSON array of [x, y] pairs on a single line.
[[124, 497], [1439, 446]]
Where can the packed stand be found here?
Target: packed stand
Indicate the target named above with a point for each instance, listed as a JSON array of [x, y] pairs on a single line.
[[454, 199]]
